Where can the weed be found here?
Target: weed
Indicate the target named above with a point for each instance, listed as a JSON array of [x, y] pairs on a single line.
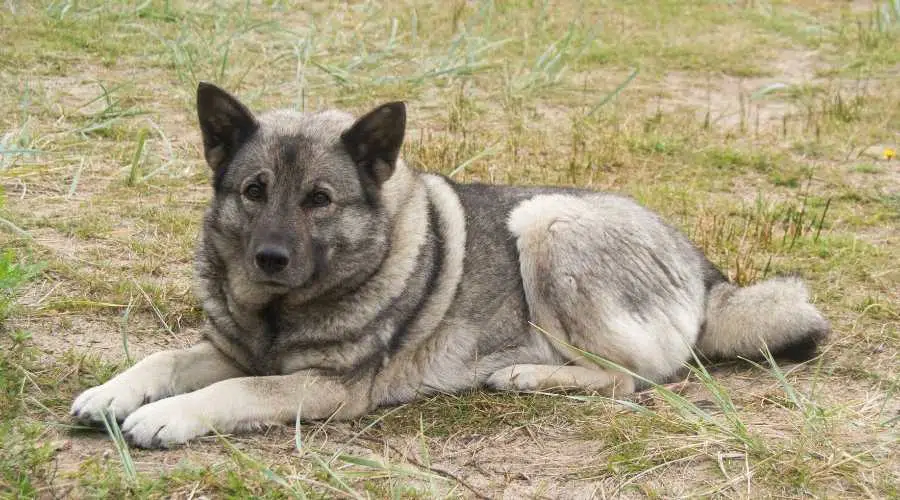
[[13, 274]]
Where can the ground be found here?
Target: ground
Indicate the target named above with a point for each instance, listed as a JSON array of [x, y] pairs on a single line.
[[764, 129]]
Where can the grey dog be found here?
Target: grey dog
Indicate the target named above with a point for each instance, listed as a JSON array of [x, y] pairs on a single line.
[[336, 279]]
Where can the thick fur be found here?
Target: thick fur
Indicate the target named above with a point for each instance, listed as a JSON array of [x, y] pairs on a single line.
[[774, 312], [336, 279]]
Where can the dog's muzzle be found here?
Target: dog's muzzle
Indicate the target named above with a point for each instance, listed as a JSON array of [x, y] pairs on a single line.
[[272, 259]]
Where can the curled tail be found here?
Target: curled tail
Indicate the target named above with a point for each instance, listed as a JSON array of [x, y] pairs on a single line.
[[776, 312]]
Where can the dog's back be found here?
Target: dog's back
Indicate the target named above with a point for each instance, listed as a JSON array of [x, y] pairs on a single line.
[[549, 268]]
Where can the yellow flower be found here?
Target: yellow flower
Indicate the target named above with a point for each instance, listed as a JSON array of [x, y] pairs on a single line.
[[889, 154]]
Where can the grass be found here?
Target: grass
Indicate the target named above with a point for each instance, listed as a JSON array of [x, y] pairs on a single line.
[[757, 127]]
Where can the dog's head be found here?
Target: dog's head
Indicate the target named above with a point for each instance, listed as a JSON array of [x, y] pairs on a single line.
[[299, 199]]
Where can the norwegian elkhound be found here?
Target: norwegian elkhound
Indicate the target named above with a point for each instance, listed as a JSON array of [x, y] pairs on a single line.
[[337, 279]]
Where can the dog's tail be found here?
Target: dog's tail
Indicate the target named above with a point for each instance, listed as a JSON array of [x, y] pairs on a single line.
[[775, 312]]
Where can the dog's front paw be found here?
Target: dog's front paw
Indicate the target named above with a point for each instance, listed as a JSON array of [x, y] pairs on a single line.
[[166, 423], [114, 398]]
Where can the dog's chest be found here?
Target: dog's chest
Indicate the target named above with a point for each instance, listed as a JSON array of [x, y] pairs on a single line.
[[286, 341], [255, 342], [277, 341]]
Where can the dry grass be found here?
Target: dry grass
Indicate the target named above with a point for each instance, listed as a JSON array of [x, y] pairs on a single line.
[[757, 126]]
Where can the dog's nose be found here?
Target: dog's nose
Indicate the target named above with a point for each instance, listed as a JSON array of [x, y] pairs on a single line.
[[272, 259]]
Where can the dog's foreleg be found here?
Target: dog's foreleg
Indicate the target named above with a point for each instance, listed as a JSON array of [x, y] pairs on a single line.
[[243, 403], [157, 376]]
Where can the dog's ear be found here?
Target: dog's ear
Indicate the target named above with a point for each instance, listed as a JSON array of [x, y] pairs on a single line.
[[374, 140], [226, 125]]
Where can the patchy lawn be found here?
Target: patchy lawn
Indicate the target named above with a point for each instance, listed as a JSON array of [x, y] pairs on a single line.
[[760, 127]]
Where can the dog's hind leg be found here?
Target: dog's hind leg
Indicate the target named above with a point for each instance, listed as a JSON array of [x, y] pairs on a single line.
[[602, 275], [526, 377]]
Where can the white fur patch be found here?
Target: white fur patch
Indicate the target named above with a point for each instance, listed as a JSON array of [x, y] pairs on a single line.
[[540, 212], [452, 221], [591, 250], [530, 377]]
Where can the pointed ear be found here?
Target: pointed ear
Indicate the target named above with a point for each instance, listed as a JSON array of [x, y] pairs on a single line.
[[225, 123], [374, 140]]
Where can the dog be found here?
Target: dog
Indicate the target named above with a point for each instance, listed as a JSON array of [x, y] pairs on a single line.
[[336, 279]]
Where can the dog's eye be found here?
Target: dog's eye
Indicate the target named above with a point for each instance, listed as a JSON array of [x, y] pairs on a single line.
[[254, 192], [318, 199]]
